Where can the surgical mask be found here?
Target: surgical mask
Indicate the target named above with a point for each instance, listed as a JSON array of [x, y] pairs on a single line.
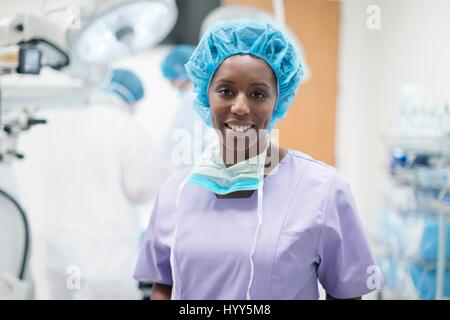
[[212, 174]]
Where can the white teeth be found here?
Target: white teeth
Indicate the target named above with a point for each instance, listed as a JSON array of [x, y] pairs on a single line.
[[238, 128]]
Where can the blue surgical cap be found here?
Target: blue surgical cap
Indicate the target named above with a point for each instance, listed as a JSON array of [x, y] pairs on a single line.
[[252, 37], [127, 85], [173, 65]]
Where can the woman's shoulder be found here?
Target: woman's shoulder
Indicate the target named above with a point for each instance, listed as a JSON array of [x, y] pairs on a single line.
[[175, 180], [319, 186], [312, 168], [315, 174], [170, 187]]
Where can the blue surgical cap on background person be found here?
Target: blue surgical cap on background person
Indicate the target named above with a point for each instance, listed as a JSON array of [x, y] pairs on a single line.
[[127, 85], [173, 65], [252, 37]]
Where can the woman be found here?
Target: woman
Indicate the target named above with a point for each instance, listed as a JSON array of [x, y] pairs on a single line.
[[246, 223]]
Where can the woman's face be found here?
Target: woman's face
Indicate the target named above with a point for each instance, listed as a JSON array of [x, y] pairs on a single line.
[[242, 97]]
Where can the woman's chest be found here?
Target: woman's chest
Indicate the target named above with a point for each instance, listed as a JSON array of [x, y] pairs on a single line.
[[227, 236]]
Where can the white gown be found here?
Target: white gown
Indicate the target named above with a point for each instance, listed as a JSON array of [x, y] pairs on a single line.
[[100, 165]]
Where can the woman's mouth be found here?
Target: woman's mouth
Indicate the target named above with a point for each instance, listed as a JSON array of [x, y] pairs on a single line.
[[238, 128]]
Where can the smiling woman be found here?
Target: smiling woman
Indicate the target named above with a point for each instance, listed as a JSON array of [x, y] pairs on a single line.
[[269, 225]]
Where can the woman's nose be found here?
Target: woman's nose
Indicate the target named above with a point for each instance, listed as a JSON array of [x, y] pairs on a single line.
[[240, 106]]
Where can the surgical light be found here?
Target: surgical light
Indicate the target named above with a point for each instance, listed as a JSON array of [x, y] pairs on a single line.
[[122, 29]]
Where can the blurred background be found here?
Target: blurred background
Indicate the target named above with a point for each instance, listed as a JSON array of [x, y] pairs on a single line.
[[90, 92]]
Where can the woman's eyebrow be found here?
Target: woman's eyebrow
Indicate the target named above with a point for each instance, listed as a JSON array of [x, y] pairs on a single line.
[[260, 84], [224, 81], [227, 81]]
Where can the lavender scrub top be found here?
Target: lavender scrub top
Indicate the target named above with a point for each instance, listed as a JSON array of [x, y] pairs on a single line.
[[310, 231]]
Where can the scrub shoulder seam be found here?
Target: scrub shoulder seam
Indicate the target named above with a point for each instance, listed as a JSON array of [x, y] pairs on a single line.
[[307, 157]]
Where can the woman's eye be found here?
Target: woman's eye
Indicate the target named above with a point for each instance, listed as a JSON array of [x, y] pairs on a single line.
[[225, 92], [258, 95]]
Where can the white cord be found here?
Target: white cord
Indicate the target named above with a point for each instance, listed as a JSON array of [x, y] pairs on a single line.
[[255, 239]]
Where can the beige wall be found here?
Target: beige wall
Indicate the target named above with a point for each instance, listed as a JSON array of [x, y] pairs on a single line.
[[310, 123]]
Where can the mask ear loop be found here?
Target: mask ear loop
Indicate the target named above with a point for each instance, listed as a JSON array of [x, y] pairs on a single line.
[[173, 264], [258, 226]]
